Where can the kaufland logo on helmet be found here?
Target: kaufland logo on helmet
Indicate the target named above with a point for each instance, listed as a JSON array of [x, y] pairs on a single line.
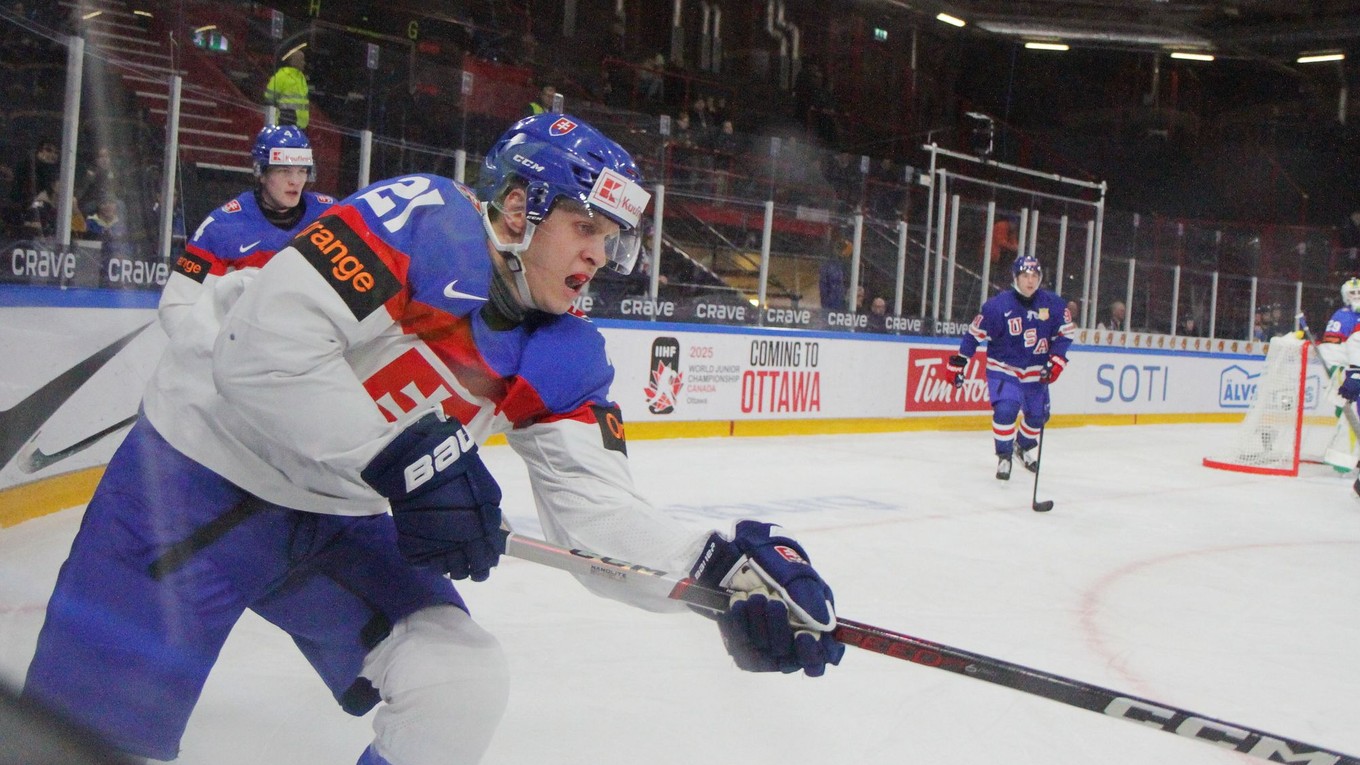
[[286, 156], [619, 194], [562, 127]]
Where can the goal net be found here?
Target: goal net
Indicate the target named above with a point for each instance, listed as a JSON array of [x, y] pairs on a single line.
[[1276, 435]]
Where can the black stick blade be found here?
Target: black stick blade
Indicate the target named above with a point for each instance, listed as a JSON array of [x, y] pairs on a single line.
[[1043, 507]]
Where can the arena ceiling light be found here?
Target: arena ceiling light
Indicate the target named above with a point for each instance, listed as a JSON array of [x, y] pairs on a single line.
[[1037, 45], [951, 20], [1188, 56], [1317, 58]]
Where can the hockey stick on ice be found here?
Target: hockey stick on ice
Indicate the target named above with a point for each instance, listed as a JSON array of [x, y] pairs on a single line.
[[1064, 690], [1034, 503]]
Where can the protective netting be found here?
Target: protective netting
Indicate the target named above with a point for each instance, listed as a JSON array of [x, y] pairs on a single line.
[[1268, 439]]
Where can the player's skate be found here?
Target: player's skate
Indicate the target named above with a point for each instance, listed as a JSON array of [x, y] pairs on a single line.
[[1003, 468], [1030, 457]]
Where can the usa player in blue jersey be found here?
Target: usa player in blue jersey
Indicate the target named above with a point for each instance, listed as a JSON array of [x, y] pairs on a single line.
[[1027, 331], [354, 374], [247, 230]]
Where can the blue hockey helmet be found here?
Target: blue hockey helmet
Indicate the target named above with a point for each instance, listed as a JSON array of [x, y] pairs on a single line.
[[558, 156], [1025, 263], [281, 146]]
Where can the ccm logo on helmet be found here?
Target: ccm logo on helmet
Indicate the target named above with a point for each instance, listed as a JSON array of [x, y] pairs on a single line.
[[520, 159], [347, 263]]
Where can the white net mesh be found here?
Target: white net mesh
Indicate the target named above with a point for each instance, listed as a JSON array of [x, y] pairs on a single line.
[[1267, 441]]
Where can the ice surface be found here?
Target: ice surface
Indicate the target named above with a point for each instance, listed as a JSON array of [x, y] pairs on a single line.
[[1230, 595]]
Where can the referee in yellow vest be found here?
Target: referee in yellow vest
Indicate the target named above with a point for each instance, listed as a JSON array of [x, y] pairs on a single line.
[[287, 90]]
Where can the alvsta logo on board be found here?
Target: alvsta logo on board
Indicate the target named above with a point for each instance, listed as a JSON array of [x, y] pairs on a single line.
[[930, 387]]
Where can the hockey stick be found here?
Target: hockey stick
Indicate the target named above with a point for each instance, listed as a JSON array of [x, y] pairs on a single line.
[[1064, 690], [1035, 504], [1352, 418]]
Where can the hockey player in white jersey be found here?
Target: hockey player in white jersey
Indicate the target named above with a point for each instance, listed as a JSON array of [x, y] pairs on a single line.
[[354, 373], [1340, 351]]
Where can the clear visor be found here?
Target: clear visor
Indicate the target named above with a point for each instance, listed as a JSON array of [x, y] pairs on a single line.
[[622, 250]]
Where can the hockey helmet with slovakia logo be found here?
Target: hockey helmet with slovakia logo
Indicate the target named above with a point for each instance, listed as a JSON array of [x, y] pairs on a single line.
[[558, 156], [281, 146], [1350, 293]]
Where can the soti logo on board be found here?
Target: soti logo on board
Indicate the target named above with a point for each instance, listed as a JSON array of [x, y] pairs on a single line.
[[666, 378]]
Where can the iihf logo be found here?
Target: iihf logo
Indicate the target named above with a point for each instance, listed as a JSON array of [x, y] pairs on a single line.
[[562, 127], [666, 379]]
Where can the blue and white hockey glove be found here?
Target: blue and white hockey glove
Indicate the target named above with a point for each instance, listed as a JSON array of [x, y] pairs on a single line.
[[957, 363], [445, 504], [781, 613], [1350, 383]]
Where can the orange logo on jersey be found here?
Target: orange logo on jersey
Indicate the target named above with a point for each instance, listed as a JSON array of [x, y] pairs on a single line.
[[186, 266], [347, 268]]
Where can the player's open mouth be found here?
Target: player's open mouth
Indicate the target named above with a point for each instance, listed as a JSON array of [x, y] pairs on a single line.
[[577, 281]]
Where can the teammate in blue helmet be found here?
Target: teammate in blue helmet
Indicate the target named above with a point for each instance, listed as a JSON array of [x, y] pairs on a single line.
[[247, 230], [1027, 331], [309, 449]]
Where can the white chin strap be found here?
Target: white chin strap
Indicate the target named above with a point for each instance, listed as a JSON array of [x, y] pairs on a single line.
[[512, 254]]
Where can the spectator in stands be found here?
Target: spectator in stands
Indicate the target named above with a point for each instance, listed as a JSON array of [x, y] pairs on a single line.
[[1118, 314], [1074, 312], [1258, 327], [651, 78], [833, 281], [287, 91], [1004, 242], [41, 219], [108, 225], [106, 220], [36, 173], [97, 182], [1190, 328], [543, 102]]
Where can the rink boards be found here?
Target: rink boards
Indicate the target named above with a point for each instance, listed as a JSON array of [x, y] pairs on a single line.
[[74, 377]]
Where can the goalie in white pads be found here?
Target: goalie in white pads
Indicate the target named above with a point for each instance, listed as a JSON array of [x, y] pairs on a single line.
[[358, 370], [1340, 351]]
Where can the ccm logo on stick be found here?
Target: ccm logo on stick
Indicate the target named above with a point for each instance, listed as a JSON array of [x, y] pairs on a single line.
[[1220, 734]]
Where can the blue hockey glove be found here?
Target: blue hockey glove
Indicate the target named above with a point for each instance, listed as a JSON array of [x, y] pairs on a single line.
[[1350, 383], [1054, 367], [957, 363], [781, 613], [445, 504]]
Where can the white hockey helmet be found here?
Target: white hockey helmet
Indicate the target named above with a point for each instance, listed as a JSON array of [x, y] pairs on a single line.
[[1350, 293]]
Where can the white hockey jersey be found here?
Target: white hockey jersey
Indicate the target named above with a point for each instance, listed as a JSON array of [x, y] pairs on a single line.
[[288, 380]]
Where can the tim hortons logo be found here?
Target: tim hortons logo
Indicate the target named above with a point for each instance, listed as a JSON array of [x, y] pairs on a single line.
[[930, 386]]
